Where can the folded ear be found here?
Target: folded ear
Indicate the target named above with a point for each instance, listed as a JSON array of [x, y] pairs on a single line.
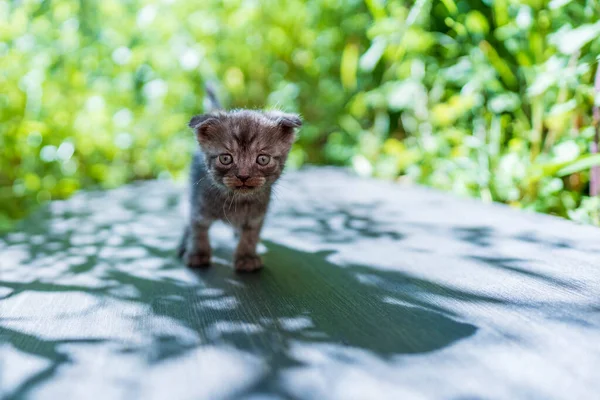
[[290, 121], [201, 123], [198, 120], [285, 120]]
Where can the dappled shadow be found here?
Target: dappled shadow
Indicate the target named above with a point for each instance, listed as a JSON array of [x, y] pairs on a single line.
[[532, 237], [299, 298], [514, 265], [125, 258], [47, 349], [342, 224], [477, 235]]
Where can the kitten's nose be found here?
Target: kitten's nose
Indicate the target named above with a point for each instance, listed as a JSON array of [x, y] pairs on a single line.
[[243, 178]]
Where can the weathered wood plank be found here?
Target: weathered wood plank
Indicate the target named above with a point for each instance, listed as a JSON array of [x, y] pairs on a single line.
[[371, 290]]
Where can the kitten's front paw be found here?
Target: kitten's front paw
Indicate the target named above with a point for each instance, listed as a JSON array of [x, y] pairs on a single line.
[[248, 263], [197, 259]]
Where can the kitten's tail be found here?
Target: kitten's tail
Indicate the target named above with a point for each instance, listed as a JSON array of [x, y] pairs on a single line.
[[182, 247], [211, 102]]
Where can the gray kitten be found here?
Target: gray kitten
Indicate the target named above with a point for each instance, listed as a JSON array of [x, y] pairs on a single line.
[[242, 154]]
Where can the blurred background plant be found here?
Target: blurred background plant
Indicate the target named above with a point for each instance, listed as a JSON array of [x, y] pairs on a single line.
[[491, 99]]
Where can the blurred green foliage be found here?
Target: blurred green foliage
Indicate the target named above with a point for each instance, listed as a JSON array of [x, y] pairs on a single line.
[[490, 99]]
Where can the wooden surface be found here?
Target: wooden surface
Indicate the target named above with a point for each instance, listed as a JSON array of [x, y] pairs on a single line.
[[371, 291]]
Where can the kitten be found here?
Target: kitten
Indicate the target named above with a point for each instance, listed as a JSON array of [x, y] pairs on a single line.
[[242, 154]]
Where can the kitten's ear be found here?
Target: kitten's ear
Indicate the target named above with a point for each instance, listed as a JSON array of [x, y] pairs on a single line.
[[285, 120], [198, 120], [290, 121], [201, 123], [287, 125]]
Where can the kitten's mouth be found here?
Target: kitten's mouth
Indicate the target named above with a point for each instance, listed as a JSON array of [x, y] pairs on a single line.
[[245, 188]]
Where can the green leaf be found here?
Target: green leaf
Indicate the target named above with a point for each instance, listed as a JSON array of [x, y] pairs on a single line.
[[504, 102], [369, 60], [570, 40], [349, 66], [581, 164], [554, 4], [477, 23]]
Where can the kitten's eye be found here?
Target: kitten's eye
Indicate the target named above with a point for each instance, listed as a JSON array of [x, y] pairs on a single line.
[[263, 159], [225, 159]]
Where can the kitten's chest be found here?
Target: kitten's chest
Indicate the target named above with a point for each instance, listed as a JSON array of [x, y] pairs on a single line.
[[240, 213]]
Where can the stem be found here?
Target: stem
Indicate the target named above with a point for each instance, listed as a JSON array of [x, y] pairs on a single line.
[[595, 172], [537, 127]]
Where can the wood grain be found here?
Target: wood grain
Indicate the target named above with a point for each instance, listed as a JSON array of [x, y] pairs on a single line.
[[371, 291]]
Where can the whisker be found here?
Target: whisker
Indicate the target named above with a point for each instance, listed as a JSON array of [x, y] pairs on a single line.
[[224, 213], [277, 187], [232, 200], [200, 180], [275, 195]]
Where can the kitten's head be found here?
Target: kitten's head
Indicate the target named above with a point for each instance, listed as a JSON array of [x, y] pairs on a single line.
[[245, 150]]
